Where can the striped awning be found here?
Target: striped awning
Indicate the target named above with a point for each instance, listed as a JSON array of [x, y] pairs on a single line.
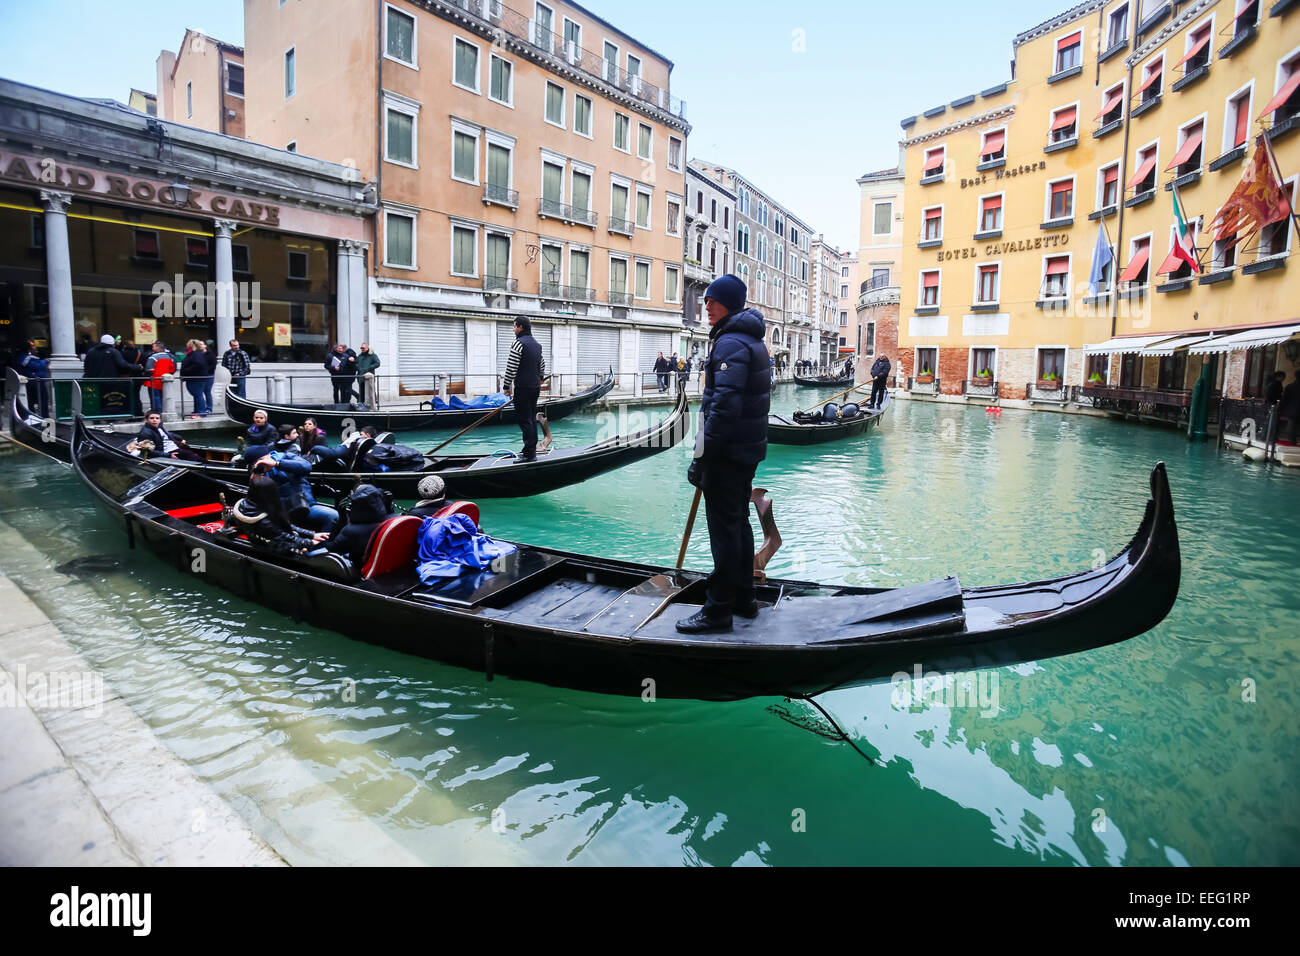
[[1250, 339], [1126, 344], [1170, 346]]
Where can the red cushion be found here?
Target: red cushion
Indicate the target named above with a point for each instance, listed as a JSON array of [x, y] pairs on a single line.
[[393, 546], [459, 508], [195, 511]]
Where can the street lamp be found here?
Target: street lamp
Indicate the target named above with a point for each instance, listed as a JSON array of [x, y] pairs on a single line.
[[553, 274], [180, 193]]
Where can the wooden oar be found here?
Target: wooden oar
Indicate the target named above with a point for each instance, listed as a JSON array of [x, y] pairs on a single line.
[[852, 388], [690, 523], [470, 427]]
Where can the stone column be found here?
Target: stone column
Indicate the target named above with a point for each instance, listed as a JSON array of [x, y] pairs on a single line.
[[58, 268], [223, 229], [353, 327]]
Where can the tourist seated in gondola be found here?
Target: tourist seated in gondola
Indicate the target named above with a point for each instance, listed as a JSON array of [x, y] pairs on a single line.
[[433, 497], [262, 517], [158, 441], [367, 512], [345, 457], [309, 436], [261, 432], [290, 472], [287, 442]]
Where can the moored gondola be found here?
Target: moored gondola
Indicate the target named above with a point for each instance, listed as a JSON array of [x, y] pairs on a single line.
[[602, 625], [464, 476], [337, 418], [813, 428], [823, 381]]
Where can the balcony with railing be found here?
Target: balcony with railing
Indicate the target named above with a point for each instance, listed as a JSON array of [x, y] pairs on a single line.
[[500, 284], [500, 196], [624, 227], [497, 16], [553, 209], [620, 298], [697, 271], [566, 293]]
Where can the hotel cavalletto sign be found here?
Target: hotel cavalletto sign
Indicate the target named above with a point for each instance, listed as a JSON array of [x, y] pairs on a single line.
[[45, 173]]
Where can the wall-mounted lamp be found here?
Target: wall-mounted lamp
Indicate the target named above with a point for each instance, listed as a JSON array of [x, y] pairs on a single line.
[[180, 193]]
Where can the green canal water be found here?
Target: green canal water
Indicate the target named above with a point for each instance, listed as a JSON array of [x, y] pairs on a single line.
[[1177, 747]]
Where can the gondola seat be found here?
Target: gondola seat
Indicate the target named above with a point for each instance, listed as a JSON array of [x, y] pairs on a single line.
[[395, 544]]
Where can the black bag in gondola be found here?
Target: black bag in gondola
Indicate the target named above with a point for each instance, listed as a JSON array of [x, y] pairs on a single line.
[[394, 458]]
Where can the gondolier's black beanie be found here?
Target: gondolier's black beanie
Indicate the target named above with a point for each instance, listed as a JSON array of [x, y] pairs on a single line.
[[729, 292]]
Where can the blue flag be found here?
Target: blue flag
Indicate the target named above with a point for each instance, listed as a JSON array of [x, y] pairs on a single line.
[[1101, 257]]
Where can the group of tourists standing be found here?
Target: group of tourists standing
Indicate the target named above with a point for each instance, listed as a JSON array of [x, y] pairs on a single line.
[[347, 368], [665, 368]]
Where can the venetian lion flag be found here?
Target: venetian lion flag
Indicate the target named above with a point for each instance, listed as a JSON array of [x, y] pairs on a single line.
[[1184, 249], [1256, 201]]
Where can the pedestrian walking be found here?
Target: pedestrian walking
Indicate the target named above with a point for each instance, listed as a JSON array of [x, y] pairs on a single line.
[[525, 370], [661, 371], [238, 363], [732, 440]]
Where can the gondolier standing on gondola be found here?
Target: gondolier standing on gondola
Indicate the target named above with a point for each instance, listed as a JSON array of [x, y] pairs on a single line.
[[879, 376], [732, 440], [525, 370]]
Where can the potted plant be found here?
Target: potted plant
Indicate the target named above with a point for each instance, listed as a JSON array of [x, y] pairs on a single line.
[[983, 378], [1096, 379], [924, 377], [1049, 380]]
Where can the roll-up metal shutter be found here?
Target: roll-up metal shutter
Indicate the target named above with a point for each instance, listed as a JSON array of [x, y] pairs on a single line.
[[506, 338], [597, 350], [427, 346], [652, 343]]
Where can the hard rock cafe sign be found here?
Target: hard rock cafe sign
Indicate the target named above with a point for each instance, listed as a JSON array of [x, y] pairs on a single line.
[[45, 173]]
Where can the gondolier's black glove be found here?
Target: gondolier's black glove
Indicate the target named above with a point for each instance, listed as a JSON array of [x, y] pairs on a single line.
[[695, 473]]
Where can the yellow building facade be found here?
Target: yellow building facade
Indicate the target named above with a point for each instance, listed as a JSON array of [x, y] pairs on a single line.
[[1012, 192]]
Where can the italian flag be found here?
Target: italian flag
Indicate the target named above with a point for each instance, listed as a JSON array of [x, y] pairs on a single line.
[[1185, 246]]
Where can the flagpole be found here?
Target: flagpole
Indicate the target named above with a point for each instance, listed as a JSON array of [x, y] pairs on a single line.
[[1277, 171]]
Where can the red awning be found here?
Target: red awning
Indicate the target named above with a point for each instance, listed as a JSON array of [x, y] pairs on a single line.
[[1153, 76], [1136, 264], [1112, 101], [934, 160], [1058, 267], [1111, 175], [1069, 41], [1171, 264], [1196, 49], [1283, 94], [1143, 171], [933, 213], [993, 142], [931, 280], [1185, 151], [1063, 119], [993, 202]]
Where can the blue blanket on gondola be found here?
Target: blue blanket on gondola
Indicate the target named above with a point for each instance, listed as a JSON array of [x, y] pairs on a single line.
[[483, 401], [452, 545]]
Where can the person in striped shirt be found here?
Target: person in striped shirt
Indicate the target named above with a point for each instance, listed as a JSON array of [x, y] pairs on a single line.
[[525, 370]]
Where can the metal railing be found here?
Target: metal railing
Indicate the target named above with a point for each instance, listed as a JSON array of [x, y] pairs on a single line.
[[620, 298], [492, 193], [577, 293], [622, 226], [500, 284], [559, 210], [500, 17]]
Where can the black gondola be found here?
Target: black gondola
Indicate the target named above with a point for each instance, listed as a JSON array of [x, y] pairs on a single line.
[[822, 381], [464, 476], [813, 428], [335, 418], [600, 625]]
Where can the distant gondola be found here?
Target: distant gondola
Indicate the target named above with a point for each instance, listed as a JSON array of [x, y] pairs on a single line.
[[813, 428], [822, 381], [335, 418], [464, 476], [602, 625]]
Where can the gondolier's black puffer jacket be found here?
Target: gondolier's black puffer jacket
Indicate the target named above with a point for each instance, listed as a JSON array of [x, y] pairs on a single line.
[[737, 390]]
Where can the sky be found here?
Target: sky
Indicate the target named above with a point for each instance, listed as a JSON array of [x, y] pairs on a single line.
[[802, 98]]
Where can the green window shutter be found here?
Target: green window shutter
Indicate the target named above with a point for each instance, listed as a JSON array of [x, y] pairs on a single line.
[[620, 130], [554, 103], [581, 191], [552, 182], [618, 206], [643, 280], [672, 286], [463, 249], [498, 165], [466, 65], [578, 269], [643, 141], [582, 115], [401, 30], [501, 70], [643, 209], [498, 256], [551, 263], [400, 137], [617, 275], [399, 240], [465, 148]]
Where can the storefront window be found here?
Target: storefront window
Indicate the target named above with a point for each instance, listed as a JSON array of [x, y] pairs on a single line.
[[24, 304]]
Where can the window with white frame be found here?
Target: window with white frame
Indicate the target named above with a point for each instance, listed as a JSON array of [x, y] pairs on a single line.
[[1060, 199], [1144, 177], [1223, 254], [464, 153], [1112, 105], [1069, 52], [399, 129], [235, 79], [1286, 101], [1188, 157], [582, 121], [674, 154], [933, 163], [844, 290], [554, 104], [619, 193], [1117, 27], [580, 192], [399, 36], [762, 247], [987, 284], [622, 127], [610, 61], [464, 250], [644, 141], [644, 200], [572, 38], [500, 167], [579, 269], [551, 265], [1247, 17], [1152, 80], [496, 257], [932, 228], [552, 187], [993, 146], [1236, 119], [844, 273], [929, 293], [1108, 186], [990, 214], [672, 283], [1065, 125], [501, 82], [674, 216], [1056, 277], [399, 239], [465, 65], [882, 219], [1139, 265], [1176, 265], [1197, 52]]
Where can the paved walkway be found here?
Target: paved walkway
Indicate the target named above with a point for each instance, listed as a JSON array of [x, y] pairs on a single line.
[[83, 781]]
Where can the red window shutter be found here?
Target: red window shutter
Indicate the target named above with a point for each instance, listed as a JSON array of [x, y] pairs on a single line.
[[1154, 75], [1069, 41], [1136, 263], [1144, 170], [1283, 94], [1111, 176], [1112, 100], [992, 202], [1188, 147], [993, 142], [1058, 266], [933, 214], [931, 280], [1243, 121], [1059, 188], [1170, 264], [933, 161], [1063, 118], [1197, 48]]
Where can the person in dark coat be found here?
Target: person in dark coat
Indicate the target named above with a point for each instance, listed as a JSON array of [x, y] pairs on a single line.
[[661, 371], [341, 363], [105, 361], [165, 444], [525, 370], [1273, 390], [368, 512], [37, 371], [289, 471], [731, 441], [261, 516], [879, 376], [261, 432], [194, 373], [367, 361], [1288, 409]]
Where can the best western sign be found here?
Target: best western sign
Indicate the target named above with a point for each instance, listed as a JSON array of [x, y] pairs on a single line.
[[45, 173]]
